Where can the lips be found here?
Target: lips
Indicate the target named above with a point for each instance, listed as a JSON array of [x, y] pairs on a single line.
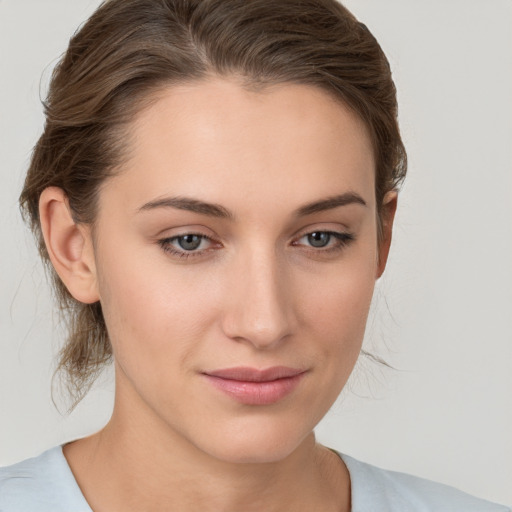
[[253, 386]]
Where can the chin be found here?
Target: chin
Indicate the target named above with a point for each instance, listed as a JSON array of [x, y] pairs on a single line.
[[254, 453], [258, 444]]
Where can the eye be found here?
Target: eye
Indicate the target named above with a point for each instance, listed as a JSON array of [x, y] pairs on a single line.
[[186, 245], [319, 238], [189, 242], [325, 240]]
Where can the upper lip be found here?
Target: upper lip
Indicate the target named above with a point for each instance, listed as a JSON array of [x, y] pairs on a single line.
[[247, 374]]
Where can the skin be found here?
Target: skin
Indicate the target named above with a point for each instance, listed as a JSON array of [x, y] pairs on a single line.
[[257, 294]]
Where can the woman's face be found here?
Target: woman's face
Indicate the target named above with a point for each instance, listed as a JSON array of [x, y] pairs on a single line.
[[236, 255]]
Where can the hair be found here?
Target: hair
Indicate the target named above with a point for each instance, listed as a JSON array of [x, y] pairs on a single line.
[[130, 49]]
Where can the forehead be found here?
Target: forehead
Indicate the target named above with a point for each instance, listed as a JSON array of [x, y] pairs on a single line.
[[219, 139]]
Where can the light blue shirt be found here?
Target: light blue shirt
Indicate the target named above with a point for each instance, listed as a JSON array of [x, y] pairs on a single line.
[[46, 484]]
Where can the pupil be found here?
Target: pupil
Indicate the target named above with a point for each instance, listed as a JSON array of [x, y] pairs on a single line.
[[189, 242], [319, 239]]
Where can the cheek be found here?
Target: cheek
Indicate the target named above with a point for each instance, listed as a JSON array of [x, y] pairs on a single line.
[[151, 309], [335, 313], [337, 326], [338, 303]]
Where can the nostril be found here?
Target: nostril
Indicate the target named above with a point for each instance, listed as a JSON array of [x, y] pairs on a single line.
[[262, 327]]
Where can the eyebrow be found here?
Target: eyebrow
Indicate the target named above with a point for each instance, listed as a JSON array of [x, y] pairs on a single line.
[[216, 210], [329, 203], [191, 205]]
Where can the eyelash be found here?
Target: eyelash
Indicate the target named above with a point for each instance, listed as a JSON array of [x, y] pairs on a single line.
[[342, 241]]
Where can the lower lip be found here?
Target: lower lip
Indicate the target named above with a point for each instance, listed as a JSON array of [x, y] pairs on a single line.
[[256, 393]]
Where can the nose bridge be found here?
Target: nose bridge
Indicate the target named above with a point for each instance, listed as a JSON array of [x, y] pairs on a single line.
[[261, 306]]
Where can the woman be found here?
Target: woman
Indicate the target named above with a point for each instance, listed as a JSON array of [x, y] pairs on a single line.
[[215, 191]]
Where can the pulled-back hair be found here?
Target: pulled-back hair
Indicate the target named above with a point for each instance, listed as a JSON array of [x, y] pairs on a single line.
[[129, 49]]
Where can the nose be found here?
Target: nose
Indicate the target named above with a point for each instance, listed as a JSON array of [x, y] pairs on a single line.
[[261, 306]]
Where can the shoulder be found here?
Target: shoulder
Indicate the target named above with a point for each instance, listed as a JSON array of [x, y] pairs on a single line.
[[374, 488], [43, 484]]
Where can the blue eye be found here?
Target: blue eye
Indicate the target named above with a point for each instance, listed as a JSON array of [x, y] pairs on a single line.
[[187, 245], [190, 245], [189, 242], [326, 240], [319, 238]]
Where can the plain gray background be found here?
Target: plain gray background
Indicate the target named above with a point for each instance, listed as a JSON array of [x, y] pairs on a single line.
[[443, 311]]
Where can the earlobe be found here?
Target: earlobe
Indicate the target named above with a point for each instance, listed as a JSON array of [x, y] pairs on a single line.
[[389, 205], [69, 245]]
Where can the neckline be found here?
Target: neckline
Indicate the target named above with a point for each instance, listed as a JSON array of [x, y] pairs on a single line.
[[79, 495]]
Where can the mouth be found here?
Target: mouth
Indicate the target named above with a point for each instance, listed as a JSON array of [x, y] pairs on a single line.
[[252, 386]]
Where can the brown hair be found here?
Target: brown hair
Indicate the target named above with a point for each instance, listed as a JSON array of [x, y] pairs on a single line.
[[128, 49]]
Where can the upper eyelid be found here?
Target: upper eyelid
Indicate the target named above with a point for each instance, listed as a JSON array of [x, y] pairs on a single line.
[[298, 235], [324, 230], [198, 230], [175, 237], [334, 227]]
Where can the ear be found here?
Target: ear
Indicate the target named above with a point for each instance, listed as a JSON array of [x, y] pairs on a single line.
[[389, 205], [69, 245]]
